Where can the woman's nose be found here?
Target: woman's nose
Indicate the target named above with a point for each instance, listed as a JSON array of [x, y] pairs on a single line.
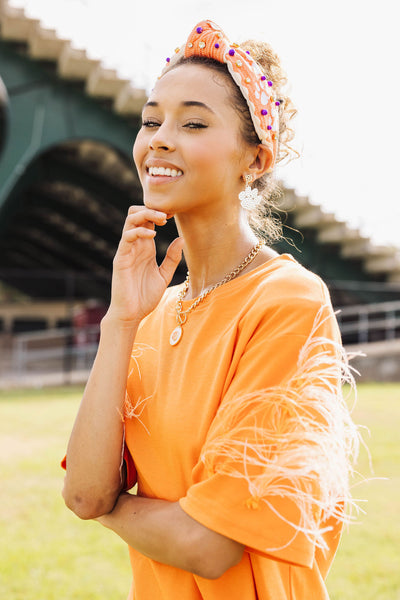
[[162, 139]]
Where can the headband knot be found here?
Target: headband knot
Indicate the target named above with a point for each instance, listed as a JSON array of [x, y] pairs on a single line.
[[208, 40]]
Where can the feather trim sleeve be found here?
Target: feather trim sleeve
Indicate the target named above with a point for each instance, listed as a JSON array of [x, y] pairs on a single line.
[[294, 441]]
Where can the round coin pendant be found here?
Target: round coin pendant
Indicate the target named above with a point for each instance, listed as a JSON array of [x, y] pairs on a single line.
[[175, 335]]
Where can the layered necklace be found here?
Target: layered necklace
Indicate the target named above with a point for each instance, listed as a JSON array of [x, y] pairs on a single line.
[[182, 315]]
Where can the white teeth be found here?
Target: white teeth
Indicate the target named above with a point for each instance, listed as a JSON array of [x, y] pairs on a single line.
[[166, 172]]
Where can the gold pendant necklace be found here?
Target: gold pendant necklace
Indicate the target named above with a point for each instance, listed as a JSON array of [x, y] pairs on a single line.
[[181, 316]]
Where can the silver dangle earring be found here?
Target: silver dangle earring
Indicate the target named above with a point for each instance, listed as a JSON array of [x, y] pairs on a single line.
[[249, 198]]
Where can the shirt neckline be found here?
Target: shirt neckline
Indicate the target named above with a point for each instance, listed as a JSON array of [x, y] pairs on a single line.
[[266, 266]]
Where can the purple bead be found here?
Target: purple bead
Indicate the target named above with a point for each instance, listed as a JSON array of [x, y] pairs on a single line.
[[168, 59], [216, 45], [277, 103], [270, 83], [199, 29], [263, 78], [264, 111], [247, 51], [231, 52], [269, 127]]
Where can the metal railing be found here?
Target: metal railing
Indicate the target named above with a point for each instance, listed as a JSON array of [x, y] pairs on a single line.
[[69, 350], [365, 323], [63, 350]]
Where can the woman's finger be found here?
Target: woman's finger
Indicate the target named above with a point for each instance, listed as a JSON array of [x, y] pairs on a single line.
[[151, 214], [132, 235], [171, 260], [142, 219]]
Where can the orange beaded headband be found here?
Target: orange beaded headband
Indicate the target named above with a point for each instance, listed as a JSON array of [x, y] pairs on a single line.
[[208, 40]]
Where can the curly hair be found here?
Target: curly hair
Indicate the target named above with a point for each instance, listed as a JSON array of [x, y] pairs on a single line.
[[263, 217]]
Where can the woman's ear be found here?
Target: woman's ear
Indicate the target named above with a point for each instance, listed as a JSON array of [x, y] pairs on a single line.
[[263, 161]]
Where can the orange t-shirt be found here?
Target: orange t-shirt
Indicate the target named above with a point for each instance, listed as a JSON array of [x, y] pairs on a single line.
[[216, 423]]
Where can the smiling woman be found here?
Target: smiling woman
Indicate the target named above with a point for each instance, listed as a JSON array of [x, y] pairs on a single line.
[[233, 422]]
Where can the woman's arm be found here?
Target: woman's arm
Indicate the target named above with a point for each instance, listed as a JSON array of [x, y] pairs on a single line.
[[162, 531], [93, 482]]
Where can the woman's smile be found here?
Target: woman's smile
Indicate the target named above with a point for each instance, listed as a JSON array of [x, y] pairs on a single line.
[[159, 172]]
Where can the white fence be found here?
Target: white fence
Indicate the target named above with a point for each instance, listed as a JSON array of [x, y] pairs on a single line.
[[365, 323], [50, 356], [58, 355]]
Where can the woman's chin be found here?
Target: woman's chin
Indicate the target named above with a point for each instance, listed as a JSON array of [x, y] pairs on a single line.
[[160, 204]]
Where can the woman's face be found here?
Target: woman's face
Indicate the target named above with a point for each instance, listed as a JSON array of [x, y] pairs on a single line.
[[189, 152]]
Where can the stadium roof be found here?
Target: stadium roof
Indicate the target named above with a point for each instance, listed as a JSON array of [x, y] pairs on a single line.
[[67, 125]]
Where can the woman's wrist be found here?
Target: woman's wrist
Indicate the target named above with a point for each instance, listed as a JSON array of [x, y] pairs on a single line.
[[112, 320]]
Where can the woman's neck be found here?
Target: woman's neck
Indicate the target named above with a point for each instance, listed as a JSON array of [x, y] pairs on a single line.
[[215, 247]]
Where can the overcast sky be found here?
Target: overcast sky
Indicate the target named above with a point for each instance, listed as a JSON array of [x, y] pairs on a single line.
[[342, 59]]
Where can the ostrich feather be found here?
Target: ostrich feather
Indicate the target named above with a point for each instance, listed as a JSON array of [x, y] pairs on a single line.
[[295, 441]]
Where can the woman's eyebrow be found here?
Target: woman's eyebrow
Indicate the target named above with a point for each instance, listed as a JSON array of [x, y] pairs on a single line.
[[185, 104], [198, 104], [150, 103]]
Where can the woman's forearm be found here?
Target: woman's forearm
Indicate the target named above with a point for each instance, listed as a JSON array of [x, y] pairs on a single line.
[[162, 531], [93, 481]]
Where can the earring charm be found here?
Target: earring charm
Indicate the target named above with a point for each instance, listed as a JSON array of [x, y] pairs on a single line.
[[249, 198]]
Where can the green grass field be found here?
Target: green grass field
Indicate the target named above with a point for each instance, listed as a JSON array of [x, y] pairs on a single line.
[[46, 553]]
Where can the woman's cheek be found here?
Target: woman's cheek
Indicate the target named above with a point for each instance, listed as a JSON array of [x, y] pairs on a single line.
[[138, 150]]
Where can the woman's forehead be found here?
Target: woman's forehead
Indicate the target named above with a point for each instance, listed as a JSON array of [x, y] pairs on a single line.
[[191, 82]]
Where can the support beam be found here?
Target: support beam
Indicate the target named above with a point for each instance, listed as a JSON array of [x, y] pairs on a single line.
[[104, 83], [313, 216], [44, 44], [358, 248], [129, 100], [337, 233], [74, 64], [15, 25]]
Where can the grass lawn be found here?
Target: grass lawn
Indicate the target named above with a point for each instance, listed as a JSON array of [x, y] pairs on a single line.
[[367, 565], [47, 553]]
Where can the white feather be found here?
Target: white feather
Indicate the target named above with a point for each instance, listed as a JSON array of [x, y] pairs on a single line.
[[295, 441]]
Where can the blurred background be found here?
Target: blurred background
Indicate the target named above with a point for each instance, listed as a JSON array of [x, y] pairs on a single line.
[[74, 76]]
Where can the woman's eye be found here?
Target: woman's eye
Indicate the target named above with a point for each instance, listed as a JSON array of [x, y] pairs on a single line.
[[149, 123], [195, 125]]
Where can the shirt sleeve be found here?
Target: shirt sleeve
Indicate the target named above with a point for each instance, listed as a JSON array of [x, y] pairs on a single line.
[[274, 464]]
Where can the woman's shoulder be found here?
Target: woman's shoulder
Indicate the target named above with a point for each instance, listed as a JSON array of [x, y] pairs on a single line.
[[284, 279], [287, 298]]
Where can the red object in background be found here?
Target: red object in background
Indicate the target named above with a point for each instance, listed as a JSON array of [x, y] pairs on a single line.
[[130, 469], [86, 321], [89, 314]]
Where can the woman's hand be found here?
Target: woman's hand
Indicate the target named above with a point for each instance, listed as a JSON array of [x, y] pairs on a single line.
[[138, 283]]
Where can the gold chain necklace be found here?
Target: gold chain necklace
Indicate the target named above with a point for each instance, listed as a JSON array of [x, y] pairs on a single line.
[[181, 315]]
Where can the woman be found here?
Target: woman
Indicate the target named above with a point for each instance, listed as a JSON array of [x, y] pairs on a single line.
[[230, 399]]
